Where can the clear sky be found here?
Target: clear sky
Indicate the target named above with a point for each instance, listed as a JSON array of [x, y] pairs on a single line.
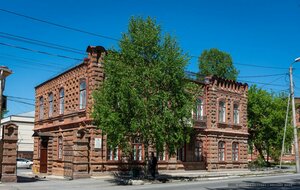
[[255, 32]]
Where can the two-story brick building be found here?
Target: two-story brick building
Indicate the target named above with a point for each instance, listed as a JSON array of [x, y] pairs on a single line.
[[67, 143]]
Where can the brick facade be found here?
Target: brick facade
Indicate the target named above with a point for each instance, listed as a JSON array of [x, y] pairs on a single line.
[[68, 144]]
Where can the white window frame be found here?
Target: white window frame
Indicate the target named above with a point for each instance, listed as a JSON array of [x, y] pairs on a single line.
[[236, 114], [199, 109], [61, 100], [82, 94], [221, 151], [50, 113], [222, 111], [235, 151]]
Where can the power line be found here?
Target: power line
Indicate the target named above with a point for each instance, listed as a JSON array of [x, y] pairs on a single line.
[[250, 65], [12, 57], [58, 25], [272, 81], [41, 52], [22, 102], [40, 43], [31, 68], [29, 59], [267, 84], [257, 76], [16, 97], [102, 36], [267, 67]]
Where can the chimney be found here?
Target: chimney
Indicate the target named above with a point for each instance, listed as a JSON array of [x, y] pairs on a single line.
[[96, 54]]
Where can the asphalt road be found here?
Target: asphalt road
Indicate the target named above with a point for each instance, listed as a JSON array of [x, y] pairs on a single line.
[[291, 182]]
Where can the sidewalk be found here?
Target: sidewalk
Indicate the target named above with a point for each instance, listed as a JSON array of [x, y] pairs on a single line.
[[169, 176]]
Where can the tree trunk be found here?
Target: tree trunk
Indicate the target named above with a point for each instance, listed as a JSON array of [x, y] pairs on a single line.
[[146, 168]]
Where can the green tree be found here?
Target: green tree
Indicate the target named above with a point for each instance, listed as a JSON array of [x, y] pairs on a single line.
[[216, 62], [266, 119], [145, 93]]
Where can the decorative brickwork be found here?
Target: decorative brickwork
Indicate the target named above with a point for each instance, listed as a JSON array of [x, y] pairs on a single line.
[[69, 145]]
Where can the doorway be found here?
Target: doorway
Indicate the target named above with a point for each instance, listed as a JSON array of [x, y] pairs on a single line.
[[43, 155]]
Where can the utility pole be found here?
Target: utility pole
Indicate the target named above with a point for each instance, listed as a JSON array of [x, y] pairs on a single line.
[[286, 120], [294, 118]]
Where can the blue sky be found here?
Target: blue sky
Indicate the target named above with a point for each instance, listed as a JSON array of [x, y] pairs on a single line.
[[254, 32]]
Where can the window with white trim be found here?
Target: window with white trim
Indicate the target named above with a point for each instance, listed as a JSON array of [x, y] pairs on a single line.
[[199, 109], [137, 149], [222, 112], [221, 151], [235, 151], [82, 94], [236, 114], [61, 101], [50, 99]]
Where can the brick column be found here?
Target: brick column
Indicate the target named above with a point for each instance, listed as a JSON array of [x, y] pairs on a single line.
[[9, 153]]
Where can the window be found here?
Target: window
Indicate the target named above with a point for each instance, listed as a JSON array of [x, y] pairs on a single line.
[[162, 155], [82, 93], [41, 108], [199, 110], [60, 148], [181, 154], [137, 149], [50, 105], [113, 154], [236, 116], [221, 151], [235, 151], [222, 112], [61, 101], [198, 150]]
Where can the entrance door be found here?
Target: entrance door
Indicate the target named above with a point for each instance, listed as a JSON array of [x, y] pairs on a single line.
[[44, 156]]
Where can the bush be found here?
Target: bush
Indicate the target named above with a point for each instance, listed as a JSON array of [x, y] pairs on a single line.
[[258, 163]]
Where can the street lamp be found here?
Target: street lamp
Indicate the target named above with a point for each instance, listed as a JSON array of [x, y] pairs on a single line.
[[4, 72], [294, 116]]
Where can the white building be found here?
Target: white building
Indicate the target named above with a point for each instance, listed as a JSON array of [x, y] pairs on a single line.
[[25, 121]]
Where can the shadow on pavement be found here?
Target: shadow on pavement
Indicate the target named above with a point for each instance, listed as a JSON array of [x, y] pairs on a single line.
[[28, 179], [126, 179], [253, 185]]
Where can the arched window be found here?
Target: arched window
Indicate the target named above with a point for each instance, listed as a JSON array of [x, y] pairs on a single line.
[[82, 94], [50, 99], [137, 149], [235, 151], [199, 110], [222, 112], [113, 154], [221, 151], [61, 101], [41, 106], [198, 150], [236, 114]]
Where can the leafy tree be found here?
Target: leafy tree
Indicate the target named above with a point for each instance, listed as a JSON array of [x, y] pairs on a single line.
[[145, 93], [216, 62], [266, 119]]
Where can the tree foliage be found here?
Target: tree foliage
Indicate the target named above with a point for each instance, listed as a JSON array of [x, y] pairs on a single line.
[[266, 120], [216, 62], [145, 93]]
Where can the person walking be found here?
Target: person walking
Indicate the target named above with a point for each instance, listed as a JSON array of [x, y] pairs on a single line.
[[152, 165]]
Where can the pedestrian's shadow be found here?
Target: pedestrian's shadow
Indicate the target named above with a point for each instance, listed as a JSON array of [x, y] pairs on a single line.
[[23, 179]]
